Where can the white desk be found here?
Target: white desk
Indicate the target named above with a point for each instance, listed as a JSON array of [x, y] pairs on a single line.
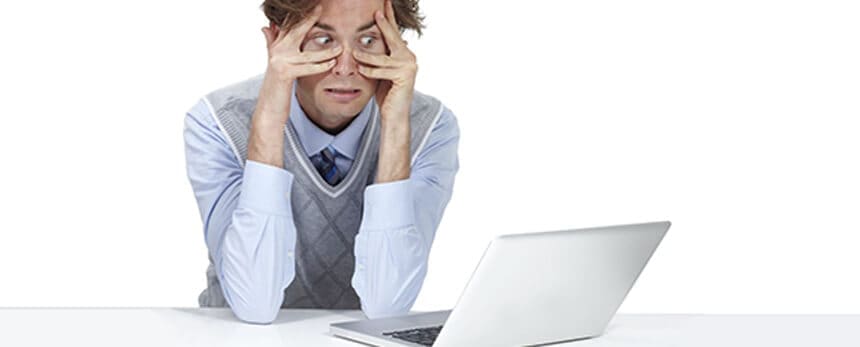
[[217, 327]]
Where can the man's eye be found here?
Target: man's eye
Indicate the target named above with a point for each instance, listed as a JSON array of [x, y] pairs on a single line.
[[367, 40], [322, 40]]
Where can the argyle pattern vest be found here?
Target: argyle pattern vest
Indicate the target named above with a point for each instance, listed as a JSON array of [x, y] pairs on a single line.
[[326, 217]]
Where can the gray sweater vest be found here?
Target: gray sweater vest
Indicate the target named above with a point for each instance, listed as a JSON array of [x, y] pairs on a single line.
[[326, 217]]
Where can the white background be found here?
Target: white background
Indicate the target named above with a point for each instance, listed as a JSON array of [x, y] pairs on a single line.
[[736, 120]]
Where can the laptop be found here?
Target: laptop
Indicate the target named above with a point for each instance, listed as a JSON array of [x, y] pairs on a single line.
[[529, 289]]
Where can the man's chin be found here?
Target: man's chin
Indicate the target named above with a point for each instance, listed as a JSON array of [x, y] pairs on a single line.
[[350, 109], [345, 112]]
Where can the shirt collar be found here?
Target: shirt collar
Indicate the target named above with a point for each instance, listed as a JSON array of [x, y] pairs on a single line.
[[314, 139]]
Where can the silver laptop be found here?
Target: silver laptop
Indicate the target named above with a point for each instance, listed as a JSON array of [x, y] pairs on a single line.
[[529, 289]]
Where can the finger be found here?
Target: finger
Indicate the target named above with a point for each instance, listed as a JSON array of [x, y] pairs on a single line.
[[279, 29], [314, 57], [301, 29], [382, 90], [378, 73], [268, 37], [389, 14], [313, 69], [391, 35], [377, 60]]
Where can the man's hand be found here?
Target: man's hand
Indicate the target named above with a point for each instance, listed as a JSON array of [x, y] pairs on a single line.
[[287, 61], [394, 95], [397, 70]]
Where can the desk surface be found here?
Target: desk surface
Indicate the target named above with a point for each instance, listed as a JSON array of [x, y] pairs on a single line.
[[218, 327]]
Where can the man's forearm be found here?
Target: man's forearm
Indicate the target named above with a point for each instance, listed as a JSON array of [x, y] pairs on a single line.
[[266, 140], [394, 141]]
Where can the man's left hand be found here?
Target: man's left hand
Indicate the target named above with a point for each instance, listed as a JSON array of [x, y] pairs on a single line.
[[396, 70]]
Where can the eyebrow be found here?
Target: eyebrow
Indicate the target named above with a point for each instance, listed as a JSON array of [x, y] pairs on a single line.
[[366, 26], [327, 27]]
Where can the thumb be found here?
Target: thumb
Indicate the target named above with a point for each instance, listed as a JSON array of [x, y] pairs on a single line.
[[382, 91], [268, 35]]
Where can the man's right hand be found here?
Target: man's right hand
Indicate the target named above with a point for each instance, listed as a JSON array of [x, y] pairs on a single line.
[[286, 60]]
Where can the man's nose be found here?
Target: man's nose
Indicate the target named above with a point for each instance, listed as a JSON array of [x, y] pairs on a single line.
[[346, 64]]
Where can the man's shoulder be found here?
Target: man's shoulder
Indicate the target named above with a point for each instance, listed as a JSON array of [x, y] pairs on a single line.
[[431, 109], [248, 88], [425, 106]]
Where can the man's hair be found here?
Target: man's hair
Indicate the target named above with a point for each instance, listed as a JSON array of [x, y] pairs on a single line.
[[290, 12]]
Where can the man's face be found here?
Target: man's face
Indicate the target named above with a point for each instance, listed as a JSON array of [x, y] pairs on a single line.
[[337, 95]]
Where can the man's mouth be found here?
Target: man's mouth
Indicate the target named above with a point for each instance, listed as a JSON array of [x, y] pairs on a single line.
[[343, 95], [342, 90]]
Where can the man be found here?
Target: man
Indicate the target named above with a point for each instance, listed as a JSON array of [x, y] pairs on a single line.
[[321, 182]]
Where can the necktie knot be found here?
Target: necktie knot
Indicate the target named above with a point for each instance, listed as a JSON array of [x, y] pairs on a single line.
[[325, 165]]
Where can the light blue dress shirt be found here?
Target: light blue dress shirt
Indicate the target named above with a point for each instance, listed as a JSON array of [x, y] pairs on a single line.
[[250, 233]]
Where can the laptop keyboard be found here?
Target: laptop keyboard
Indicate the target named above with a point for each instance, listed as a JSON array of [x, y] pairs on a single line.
[[421, 336]]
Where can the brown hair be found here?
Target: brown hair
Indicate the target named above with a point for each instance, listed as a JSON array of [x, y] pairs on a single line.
[[277, 11]]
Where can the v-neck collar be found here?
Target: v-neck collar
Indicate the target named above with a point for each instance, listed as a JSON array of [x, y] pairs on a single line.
[[300, 152], [313, 139]]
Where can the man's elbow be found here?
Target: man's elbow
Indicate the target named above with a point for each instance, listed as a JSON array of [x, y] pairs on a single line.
[[256, 315], [260, 306]]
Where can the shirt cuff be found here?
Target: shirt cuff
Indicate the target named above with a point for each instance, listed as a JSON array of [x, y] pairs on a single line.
[[388, 206], [266, 189]]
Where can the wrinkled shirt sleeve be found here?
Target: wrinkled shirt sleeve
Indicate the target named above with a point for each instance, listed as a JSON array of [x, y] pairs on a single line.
[[399, 224], [247, 219]]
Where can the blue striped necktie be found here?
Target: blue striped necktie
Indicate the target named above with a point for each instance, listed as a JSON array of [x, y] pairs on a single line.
[[324, 162]]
